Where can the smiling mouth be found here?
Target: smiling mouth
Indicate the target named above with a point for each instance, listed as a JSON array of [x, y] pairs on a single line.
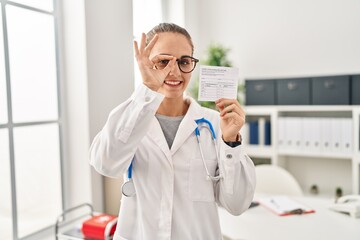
[[172, 83]]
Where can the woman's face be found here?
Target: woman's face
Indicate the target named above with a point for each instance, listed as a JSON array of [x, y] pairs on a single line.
[[177, 45]]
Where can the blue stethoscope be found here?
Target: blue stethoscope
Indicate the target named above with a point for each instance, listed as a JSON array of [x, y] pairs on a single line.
[[202, 122], [128, 188]]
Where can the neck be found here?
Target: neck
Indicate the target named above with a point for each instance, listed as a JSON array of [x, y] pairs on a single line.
[[173, 107]]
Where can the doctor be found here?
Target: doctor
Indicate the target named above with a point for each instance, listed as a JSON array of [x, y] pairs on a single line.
[[154, 129]]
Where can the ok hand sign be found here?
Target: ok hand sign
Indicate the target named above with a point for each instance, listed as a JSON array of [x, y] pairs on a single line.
[[153, 78]]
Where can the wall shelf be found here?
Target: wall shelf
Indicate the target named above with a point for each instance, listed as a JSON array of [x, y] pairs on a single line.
[[328, 168]]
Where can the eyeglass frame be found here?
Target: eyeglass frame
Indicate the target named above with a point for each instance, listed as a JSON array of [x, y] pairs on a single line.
[[195, 60]]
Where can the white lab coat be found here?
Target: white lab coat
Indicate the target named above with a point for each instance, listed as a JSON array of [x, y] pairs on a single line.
[[174, 200]]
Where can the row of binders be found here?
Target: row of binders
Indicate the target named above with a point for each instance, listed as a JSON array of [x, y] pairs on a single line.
[[316, 134], [257, 132], [309, 134]]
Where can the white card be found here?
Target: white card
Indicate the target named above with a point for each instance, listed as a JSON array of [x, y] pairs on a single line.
[[218, 82]]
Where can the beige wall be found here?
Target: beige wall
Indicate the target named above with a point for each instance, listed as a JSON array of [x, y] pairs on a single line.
[[110, 79]]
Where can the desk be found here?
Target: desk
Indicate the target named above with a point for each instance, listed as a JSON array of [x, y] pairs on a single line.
[[259, 223]]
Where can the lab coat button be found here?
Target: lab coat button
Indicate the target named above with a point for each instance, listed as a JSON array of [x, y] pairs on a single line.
[[229, 156], [147, 99]]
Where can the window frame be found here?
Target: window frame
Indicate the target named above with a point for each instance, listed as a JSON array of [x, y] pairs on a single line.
[[10, 125]]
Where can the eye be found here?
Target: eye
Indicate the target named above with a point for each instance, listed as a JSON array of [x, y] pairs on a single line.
[[185, 61], [163, 62]]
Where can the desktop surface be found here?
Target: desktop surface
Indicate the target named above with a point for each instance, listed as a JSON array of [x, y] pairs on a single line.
[[259, 223]]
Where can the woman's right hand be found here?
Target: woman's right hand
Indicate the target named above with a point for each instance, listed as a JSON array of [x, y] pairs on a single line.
[[153, 78]]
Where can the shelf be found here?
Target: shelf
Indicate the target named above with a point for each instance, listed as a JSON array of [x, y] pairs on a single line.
[[259, 151], [332, 155], [300, 108], [299, 162]]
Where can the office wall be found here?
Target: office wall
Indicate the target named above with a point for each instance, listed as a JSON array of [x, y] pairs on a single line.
[[280, 37], [74, 102], [283, 38], [110, 78]]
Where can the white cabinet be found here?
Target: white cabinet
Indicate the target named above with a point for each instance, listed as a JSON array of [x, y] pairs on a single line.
[[319, 145]]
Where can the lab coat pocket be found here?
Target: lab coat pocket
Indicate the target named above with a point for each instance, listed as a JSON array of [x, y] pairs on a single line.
[[201, 189]]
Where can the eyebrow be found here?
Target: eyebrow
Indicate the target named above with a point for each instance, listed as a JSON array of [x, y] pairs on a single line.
[[183, 56]]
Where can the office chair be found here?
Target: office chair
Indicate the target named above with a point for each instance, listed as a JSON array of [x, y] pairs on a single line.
[[271, 179], [274, 180]]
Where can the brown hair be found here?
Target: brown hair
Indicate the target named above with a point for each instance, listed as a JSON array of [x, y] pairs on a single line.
[[169, 27]]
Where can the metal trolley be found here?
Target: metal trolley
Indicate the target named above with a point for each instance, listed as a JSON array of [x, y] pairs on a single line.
[[68, 224]]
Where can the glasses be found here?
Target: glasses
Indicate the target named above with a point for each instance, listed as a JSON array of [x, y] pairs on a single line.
[[186, 64]]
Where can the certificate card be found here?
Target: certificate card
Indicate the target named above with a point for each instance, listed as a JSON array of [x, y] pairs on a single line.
[[218, 82]]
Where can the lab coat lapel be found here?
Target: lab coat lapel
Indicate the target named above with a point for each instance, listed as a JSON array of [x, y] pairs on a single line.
[[156, 134], [187, 125]]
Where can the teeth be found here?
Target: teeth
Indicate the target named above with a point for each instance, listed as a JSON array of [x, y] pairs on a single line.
[[173, 82]]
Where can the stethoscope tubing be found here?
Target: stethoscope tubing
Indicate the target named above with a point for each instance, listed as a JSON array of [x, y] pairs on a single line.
[[210, 128], [201, 123]]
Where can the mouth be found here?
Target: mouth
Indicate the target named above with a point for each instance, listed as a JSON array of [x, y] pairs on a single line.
[[172, 83]]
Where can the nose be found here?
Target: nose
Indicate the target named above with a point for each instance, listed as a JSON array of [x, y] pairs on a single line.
[[175, 70]]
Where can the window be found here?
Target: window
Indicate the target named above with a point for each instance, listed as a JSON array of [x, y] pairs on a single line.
[[146, 14], [30, 125]]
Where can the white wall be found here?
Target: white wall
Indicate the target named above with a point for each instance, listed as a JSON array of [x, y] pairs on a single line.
[[75, 103], [281, 38], [109, 36], [267, 39]]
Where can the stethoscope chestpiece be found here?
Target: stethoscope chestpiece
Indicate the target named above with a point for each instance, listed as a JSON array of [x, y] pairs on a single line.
[[128, 189]]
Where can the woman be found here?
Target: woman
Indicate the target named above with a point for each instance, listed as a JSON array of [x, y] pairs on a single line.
[[177, 193]]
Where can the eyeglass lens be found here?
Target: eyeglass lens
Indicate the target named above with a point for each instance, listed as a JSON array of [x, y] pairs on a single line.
[[186, 64]]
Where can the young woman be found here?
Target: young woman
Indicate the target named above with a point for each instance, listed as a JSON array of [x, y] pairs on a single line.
[[177, 182]]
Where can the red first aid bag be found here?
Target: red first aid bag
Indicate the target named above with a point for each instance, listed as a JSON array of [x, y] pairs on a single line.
[[99, 227]]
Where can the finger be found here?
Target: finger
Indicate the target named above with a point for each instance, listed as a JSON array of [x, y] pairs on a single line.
[[136, 49], [142, 42], [225, 101], [170, 65], [158, 58], [236, 117], [219, 106], [231, 108], [151, 44]]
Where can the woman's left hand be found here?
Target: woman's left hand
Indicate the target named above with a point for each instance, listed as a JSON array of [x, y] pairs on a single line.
[[232, 118]]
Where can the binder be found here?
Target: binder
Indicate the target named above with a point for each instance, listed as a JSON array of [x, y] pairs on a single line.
[[314, 134], [261, 121], [281, 132], [267, 132], [294, 133], [336, 134], [346, 137], [326, 141], [306, 136], [254, 132], [284, 206]]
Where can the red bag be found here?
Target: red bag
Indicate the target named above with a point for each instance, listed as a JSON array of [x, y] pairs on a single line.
[[99, 227]]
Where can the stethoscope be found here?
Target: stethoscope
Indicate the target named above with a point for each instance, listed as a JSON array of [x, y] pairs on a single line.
[[128, 188]]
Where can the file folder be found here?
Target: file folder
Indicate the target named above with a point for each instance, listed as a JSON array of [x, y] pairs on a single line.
[[284, 206]]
